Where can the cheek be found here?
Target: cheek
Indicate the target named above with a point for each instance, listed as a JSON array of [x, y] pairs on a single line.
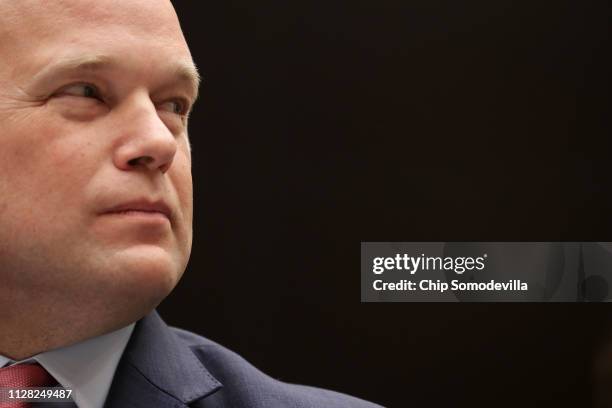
[[44, 167], [42, 146], [182, 180], [182, 183]]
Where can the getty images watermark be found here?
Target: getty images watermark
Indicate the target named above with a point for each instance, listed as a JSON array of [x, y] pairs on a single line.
[[458, 265], [484, 271]]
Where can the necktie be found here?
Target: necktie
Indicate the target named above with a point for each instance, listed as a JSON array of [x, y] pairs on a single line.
[[21, 376]]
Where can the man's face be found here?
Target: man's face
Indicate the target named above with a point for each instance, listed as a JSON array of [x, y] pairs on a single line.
[[95, 166]]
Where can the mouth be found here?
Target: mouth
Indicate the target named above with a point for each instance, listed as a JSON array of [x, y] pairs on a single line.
[[141, 208]]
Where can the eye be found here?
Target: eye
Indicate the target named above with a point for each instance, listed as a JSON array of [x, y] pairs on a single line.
[[82, 90], [177, 107]]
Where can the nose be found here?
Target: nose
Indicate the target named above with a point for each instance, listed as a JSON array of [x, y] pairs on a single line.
[[144, 142]]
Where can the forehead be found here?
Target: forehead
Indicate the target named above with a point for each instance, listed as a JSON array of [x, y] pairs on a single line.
[[51, 15], [38, 31]]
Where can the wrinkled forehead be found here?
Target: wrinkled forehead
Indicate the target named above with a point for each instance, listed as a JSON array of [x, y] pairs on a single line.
[[33, 26]]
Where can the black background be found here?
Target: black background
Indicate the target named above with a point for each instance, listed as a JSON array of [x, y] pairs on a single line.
[[322, 124]]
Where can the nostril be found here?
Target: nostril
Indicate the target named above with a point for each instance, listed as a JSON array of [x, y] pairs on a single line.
[[144, 160]]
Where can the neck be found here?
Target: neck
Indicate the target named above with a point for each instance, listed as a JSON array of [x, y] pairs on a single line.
[[23, 338]]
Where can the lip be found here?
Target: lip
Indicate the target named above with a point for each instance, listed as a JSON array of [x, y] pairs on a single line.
[[142, 206]]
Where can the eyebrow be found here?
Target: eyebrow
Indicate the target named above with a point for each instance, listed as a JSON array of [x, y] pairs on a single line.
[[189, 73], [182, 72]]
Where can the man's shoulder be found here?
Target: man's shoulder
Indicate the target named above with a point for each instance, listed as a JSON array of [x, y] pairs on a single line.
[[170, 368], [245, 385]]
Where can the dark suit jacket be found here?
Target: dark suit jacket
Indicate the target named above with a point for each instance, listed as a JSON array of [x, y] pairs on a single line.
[[169, 367]]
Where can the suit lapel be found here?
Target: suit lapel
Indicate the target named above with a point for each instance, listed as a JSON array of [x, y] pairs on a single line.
[[158, 370]]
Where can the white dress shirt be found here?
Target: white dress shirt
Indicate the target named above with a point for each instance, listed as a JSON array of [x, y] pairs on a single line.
[[87, 368]]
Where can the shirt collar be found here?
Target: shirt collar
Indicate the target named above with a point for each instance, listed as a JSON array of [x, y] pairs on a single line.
[[87, 367]]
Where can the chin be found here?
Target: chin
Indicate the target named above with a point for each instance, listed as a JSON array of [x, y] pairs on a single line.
[[147, 273]]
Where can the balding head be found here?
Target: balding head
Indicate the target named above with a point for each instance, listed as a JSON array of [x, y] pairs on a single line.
[[69, 25], [48, 17], [96, 196]]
